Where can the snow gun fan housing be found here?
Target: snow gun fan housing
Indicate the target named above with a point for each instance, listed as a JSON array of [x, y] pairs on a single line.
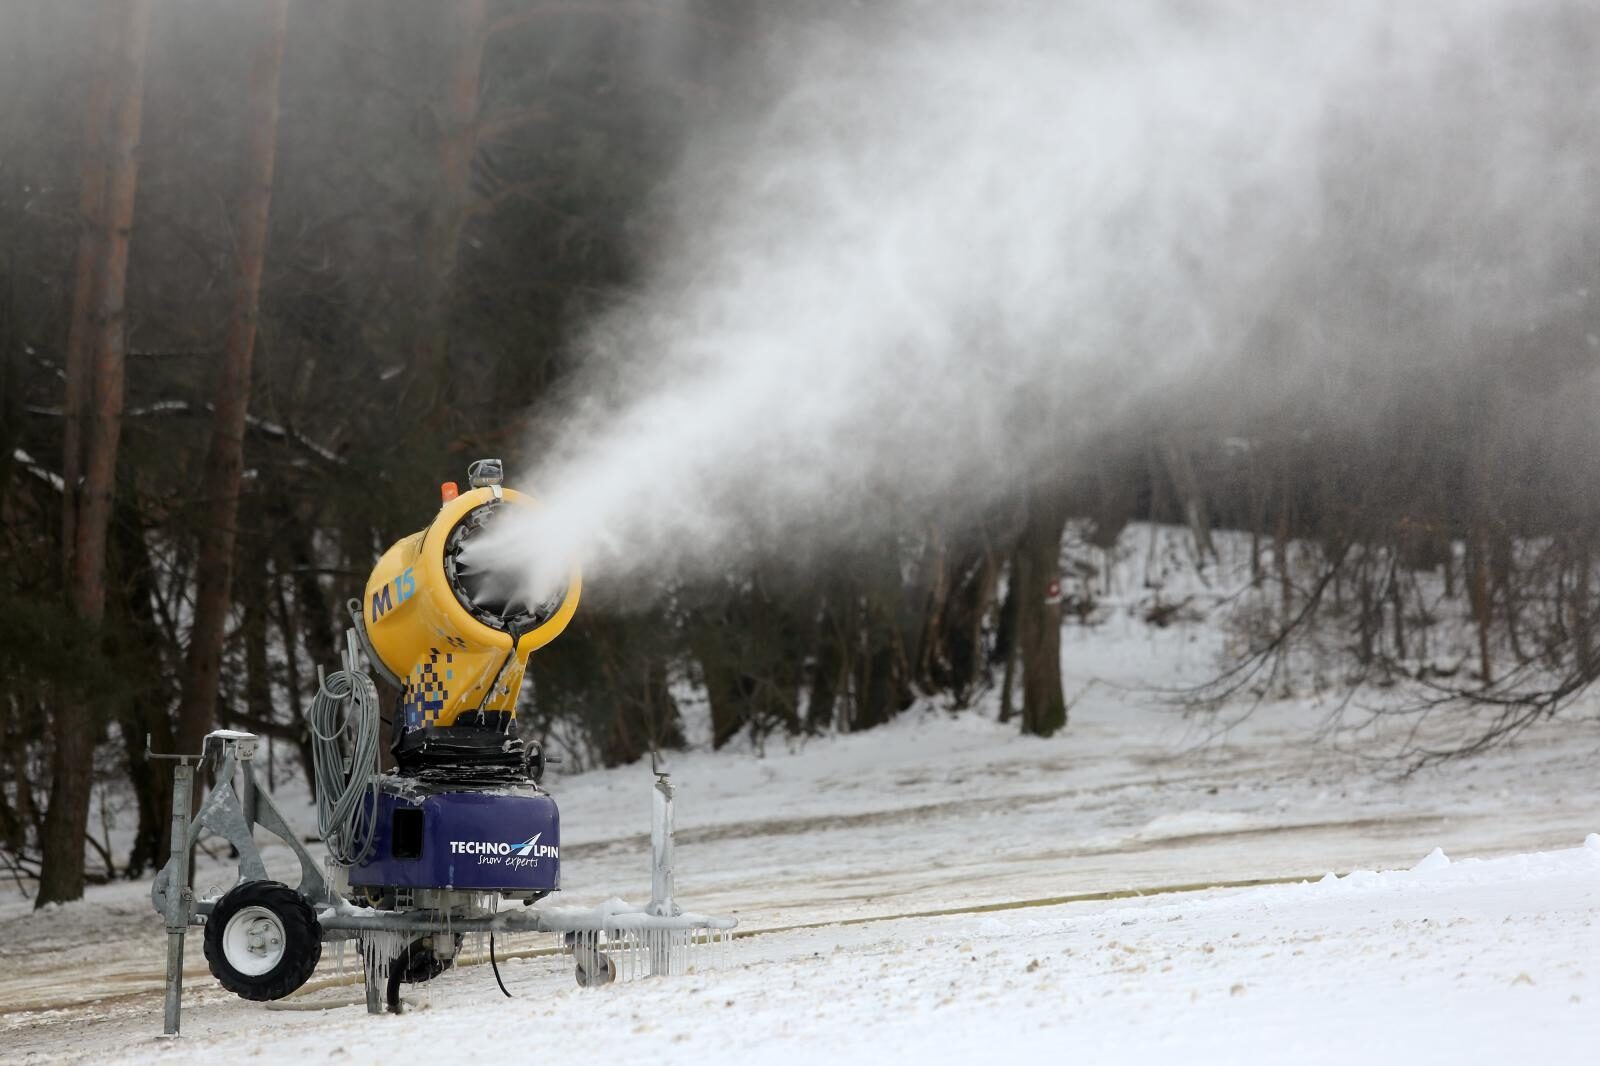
[[454, 635]]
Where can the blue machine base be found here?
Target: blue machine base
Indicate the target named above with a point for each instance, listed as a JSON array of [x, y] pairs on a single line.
[[499, 840]]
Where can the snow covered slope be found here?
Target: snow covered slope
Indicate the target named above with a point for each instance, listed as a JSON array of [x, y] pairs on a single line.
[[939, 811]]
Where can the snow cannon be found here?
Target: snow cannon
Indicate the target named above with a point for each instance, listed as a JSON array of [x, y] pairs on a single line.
[[459, 840], [453, 635]]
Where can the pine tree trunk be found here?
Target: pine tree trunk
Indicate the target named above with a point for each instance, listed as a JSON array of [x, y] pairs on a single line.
[[1581, 623], [666, 723], [1006, 641], [719, 671], [1365, 618], [1038, 577], [1191, 499], [1398, 603], [78, 723], [1258, 517], [828, 671], [252, 586], [291, 644], [1449, 567], [1480, 600], [931, 668], [969, 603], [881, 687], [311, 600], [1280, 560], [1502, 564], [441, 239], [145, 714], [225, 460], [85, 291]]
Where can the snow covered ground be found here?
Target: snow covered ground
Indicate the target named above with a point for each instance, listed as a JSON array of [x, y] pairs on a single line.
[[1475, 961], [1492, 962]]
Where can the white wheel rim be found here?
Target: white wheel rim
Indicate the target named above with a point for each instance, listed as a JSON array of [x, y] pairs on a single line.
[[253, 941]]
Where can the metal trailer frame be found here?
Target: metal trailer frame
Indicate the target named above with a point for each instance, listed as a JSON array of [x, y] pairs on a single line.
[[236, 805]]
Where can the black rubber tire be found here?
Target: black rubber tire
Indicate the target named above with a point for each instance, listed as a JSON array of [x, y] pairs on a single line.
[[302, 947]]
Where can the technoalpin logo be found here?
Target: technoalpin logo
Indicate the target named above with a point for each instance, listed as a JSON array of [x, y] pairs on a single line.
[[528, 849]]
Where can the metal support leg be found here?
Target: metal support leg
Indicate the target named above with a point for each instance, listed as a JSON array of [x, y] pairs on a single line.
[[661, 845], [245, 786], [369, 969], [661, 904], [180, 895]]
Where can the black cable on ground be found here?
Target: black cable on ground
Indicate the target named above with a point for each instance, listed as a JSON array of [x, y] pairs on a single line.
[[397, 973], [495, 966]]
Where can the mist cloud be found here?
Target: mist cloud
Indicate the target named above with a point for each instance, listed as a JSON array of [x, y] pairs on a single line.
[[936, 247]]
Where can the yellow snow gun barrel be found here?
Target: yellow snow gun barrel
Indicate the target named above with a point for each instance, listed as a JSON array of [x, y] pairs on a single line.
[[454, 634]]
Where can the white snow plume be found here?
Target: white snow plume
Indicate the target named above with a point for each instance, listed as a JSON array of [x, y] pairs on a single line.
[[943, 242]]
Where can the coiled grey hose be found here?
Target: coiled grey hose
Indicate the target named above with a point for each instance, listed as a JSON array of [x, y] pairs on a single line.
[[344, 719]]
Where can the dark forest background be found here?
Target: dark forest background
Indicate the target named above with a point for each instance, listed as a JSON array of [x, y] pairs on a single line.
[[271, 272]]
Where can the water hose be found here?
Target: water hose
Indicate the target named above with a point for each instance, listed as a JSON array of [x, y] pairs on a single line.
[[344, 750]]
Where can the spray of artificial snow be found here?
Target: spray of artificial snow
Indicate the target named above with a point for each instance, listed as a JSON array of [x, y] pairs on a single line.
[[939, 243]]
